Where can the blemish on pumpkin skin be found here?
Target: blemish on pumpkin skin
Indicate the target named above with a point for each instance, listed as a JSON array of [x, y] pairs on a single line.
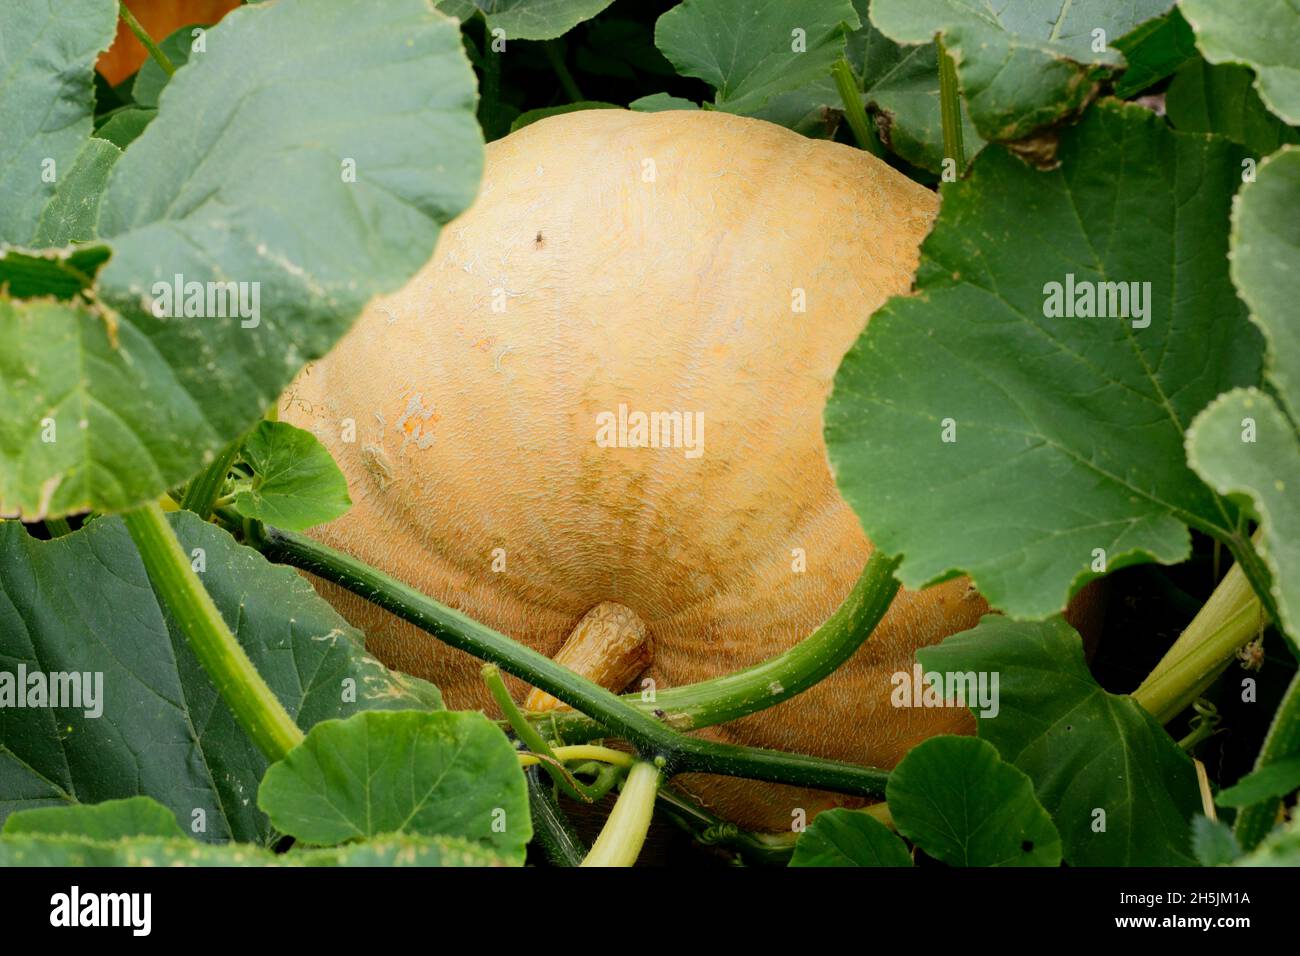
[[376, 464]]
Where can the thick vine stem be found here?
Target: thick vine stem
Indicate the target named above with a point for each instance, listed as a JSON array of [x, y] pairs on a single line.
[[1281, 742], [652, 736], [950, 109], [623, 835], [179, 590], [1230, 618]]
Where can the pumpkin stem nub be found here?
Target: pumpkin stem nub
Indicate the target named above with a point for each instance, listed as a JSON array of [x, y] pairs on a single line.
[[609, 646]]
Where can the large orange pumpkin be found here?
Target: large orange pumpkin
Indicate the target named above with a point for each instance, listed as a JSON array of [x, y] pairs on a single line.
[[690, 262]]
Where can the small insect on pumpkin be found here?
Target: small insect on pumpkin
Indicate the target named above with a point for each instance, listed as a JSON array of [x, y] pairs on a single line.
[[702, 273]]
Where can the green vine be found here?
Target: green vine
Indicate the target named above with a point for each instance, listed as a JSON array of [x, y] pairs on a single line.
[[653, 737], [180, 591]]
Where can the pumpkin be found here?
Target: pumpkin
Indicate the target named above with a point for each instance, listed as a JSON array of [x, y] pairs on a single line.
[[705, 268], [160, 19]]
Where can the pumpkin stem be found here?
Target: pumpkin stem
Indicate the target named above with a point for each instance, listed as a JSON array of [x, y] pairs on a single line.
[[609, 647]]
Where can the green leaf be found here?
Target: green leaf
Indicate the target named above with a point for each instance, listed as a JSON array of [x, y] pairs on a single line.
[[70, 215], [660, 102], [82, 603], [1213, 842], [1280, 848], [1265, 248], [47, 113], [111, 820], [151, 851], [1068, 430], [1119, 788], [527, 19], [532, 116], [296, 484], [749, 53], [955, 799], [621, 48], [849, 838], [1021, 66], [151, 78], [244, 178], [155, 851], [1243, 445], [123, 127], [404, 851], [1263, 38], [74, 429], [901, 86], [460, 9], [1272, 780], [56, 273], [1154, 50], [430, 774], [1221, 99]]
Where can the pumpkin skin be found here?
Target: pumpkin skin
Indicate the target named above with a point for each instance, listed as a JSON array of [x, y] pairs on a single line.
[[649, 260]]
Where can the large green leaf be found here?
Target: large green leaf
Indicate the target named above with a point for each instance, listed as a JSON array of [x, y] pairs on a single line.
[[82, 603], [47, 53], [1121, 791], [1263, 36], [110, 820], [956, 799], [296, 484], [971, 431], [849, 838], [1021, 66], [1245, 444], [755, 56], [1265, 250], [1204, 98], [246, 177], [428, 774]]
